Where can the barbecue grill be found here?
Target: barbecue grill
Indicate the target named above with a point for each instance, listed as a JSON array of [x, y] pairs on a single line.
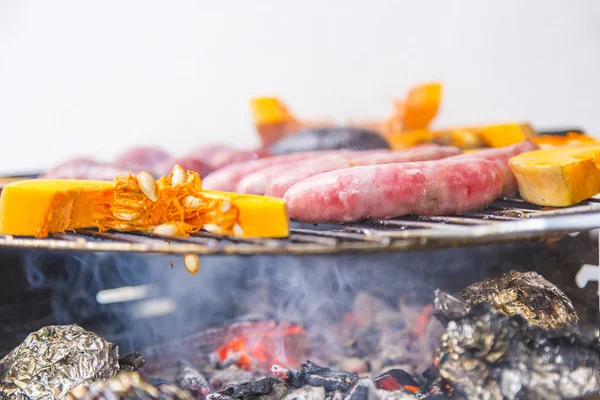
[[408, 254], [507, 219]]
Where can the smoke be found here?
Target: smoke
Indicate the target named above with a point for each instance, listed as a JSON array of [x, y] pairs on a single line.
[[160, 303]]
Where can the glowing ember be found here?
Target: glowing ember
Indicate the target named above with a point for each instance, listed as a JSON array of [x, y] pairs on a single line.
[[420, 327], [262, 344]]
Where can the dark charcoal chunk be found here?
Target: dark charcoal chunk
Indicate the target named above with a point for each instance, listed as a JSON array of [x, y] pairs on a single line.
[[486, 354], [314, 375], [527, 294], [267, 389], [131, 362], [190, 379], [397, 379], [330, 139], [364, 390]]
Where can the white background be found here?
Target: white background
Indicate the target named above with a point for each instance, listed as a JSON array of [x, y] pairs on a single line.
[[92, 77]]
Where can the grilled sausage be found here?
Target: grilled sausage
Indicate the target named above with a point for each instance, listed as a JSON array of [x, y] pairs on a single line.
[[85, 168], [280, 181], [256, 182], [500, 157], [390, 190], [141, 157], [227, 178]]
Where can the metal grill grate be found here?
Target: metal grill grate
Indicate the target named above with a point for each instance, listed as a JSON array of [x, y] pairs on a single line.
[[507, 219]]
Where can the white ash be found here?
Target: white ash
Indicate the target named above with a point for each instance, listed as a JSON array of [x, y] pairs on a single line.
[[395, 395], [335, 395], [230, 376], [307, 393]]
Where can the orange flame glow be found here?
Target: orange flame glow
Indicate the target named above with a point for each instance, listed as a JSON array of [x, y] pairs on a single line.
[[263, 344]]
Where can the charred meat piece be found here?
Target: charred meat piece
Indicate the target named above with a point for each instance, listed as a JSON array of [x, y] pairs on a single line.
[[330, 139], [487, 355], [129, 386], [55, 359], [527, 294], [391, 190]]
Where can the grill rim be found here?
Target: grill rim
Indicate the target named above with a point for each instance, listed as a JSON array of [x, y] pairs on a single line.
[[507, 219]]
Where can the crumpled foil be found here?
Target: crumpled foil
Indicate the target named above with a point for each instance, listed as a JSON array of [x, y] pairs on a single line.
[[130, 386], [526, 294], [489, 356], [54, 360]]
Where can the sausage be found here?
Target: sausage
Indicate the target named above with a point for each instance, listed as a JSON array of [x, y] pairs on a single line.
[[390, 190], [188, 163], [85, 168], [500, 157], [348, 138], [227, 178], [280, 181], [218, 156], [141, 157], [256, 182]]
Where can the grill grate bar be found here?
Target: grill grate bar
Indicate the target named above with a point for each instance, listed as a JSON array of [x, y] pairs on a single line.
[[507, 219]]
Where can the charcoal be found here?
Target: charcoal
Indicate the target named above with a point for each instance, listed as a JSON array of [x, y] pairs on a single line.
[[228, 376], [363, 390], [527, 294], [396, 395], [266, 389], [55, 359], [397, 379], [306, 393], [314, 375], [436, 397], [130, 386], [131, 362], [488, 355], [190, 379]]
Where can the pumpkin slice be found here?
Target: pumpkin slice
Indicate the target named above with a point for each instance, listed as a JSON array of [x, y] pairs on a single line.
[[560, 176], [172, 206]]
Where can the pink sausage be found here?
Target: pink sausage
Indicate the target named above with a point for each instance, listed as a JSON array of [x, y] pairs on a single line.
[[390, 190], [500, 157], [188, 163], [256, 182], [85, 168], [280, 182], [227, 178], [141, 157]]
